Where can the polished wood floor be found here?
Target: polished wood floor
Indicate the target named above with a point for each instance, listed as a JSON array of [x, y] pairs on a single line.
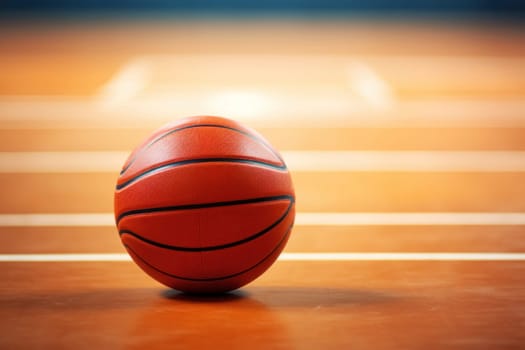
[[364, 305], [456, 87]]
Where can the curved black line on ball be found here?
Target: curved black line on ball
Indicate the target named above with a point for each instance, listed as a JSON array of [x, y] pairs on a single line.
[[169, 132], [213, 279], [199, 161], [210, 248], [205, 205]]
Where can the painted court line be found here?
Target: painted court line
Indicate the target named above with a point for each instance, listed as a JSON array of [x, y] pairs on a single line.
[[45, 112], [302, 219], [401, 256], [57, 220], [368, 85], [475, 161], [362, 72], [411, 161], [371, 219], [126, 84], [285, 257], [61, 162], [125, 98]]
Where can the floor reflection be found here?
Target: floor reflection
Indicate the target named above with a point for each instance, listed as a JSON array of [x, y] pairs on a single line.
[[231, 320]]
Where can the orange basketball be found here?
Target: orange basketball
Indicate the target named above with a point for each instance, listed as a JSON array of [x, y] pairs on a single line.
[[204, 205]]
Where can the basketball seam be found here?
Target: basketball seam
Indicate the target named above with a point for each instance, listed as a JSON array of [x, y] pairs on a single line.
[[204, 205], [213, 279], [197, 161], [171, 131], [211, 248]]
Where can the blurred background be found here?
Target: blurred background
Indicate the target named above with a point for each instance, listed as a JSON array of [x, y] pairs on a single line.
[[376, 84], [402, 122], [349, 60], [469, 7]]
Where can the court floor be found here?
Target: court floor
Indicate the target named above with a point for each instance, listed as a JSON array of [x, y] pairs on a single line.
[[406, 143]]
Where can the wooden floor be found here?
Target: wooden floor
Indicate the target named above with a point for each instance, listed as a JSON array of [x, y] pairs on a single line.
[[431, 115]]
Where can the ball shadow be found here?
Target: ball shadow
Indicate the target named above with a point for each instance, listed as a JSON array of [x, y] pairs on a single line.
[[236, 295]]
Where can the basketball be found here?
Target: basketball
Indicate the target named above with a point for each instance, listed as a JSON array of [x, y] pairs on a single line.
[[204, 205]]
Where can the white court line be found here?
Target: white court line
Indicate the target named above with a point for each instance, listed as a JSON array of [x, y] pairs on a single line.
[[126, 84], [309, 112], [476, 161], [302, 219], [61, 162], [401, 256], [361, 72], [411, 161], [285, 257], [391, 219], [57, 220], [367, 84], [63, 257], [131, 108]]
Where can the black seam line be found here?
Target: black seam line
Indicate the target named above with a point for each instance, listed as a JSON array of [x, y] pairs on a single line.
[[205, 205], [196, 161], [209, 248], [169, 132], [281, 242]]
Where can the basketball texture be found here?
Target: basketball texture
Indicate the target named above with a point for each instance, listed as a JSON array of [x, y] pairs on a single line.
[[204, 205]]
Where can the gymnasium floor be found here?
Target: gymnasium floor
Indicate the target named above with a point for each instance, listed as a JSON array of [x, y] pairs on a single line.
[[406, 141]]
